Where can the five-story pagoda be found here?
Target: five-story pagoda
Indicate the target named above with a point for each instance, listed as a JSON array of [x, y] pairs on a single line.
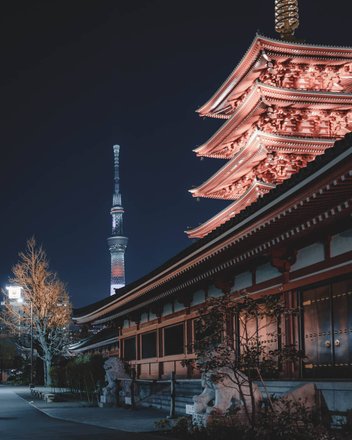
[[285, 103]]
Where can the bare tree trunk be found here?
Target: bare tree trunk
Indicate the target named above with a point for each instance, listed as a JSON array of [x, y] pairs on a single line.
[[253, 414], [47, 367]]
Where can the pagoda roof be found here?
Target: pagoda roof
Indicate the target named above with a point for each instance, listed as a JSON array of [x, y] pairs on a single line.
[[256, 190], [312, 189], [256, 149], [103, 338], [256, 103], [264, 49]]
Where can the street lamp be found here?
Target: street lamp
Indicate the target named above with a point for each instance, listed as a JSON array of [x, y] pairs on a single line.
[[15, 295], [31, 379]]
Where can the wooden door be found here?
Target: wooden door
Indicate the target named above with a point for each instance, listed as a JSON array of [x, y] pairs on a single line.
[[342, 322], [327, 324]]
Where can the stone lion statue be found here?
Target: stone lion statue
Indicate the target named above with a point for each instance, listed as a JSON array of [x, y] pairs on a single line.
[[225, 387], [114, 370]]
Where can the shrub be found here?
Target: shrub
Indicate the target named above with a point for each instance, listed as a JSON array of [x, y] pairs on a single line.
[[83, 374], [292, 422], [162, 425]]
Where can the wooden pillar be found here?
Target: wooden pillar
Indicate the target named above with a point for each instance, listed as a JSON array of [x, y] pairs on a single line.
[[290, 332], [119, 333], [189, 333], [283, 258], [173, 395], [132, 387], [136, 317], [160, 350], [157, 310], [254, 275], [185, 298], [327, 247], [230, 331], [122, 354], [225, 284]]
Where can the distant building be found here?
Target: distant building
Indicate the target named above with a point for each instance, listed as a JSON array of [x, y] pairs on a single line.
[[117, 242]]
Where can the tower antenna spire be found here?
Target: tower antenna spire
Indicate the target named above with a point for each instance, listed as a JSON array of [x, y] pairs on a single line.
[[286, 18], [117, 242]]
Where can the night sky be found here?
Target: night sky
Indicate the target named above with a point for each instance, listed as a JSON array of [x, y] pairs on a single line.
[[79, 76]]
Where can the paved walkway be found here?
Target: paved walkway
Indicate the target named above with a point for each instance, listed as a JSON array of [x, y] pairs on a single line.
[[20, 420], [139, 420]]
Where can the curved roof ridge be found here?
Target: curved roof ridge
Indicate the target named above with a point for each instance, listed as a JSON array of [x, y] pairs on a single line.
[[300, 43], [257, 46]]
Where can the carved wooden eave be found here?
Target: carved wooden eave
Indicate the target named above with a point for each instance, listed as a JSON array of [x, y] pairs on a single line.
[[103, 338], [215, 222], [243, 118], [249, 156], [318, 194], [255, 150], [298, 98], [256, 190], [257, 103], [85, 345], [262, 51]]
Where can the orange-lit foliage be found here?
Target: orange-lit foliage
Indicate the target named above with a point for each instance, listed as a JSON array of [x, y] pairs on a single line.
[[45, 309]]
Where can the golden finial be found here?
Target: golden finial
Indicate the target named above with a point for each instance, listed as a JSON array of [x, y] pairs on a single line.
[[286, 18]]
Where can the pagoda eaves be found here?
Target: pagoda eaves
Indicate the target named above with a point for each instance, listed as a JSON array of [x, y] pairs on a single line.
[[256, 189], [285, 103], [235, 176], [271, 101], [264, 51]]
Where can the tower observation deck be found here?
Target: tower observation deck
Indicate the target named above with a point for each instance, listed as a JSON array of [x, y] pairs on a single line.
[[117, 242]]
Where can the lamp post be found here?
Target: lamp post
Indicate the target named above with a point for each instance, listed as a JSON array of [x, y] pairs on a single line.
[[16, 298], [31, 379]]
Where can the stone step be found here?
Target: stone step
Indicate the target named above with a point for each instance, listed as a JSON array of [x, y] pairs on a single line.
[[179, 409], [178, 394], [166, 400], [184, 396]]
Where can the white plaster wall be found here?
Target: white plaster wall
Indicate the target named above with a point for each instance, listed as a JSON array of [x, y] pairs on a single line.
[[266, 272], [243, 280], [214, 292], [178, 306], [167, 309], [151, 315], [144, 317], [198, 297], [341, 243], [309, 255]]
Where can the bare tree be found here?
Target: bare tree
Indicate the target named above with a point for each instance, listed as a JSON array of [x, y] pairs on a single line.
[[46, 309]]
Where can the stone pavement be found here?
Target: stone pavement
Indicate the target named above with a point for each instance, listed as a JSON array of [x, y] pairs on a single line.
[[139, 420]]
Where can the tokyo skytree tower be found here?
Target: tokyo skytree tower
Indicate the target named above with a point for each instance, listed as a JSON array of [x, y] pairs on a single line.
[[117, 242]]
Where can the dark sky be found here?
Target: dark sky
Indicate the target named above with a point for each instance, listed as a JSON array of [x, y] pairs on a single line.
[[79, 76]]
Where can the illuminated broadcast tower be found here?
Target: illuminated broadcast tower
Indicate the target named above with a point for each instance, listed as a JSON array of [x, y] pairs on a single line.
[[117, 242]]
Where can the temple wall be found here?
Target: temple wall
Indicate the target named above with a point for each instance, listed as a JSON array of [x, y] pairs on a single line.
[[266, 272], [341, 243], [319, 261], [309, 255]]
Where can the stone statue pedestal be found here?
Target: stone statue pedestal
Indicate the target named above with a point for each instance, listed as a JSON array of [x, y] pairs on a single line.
[[203, 420], [106, 401], [200, 420], [114, 373]]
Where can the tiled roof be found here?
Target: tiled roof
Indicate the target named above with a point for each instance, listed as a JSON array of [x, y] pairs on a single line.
[[104, 335]]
